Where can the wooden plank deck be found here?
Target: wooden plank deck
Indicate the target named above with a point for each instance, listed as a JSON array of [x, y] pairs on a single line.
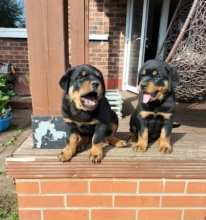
[[188, 159]]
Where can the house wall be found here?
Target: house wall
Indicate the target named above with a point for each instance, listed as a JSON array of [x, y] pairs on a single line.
[[15, 51], [108, 17], [104, 199], [105, 17]]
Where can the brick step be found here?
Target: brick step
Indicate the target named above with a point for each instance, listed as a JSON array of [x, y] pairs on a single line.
[[21, 102]]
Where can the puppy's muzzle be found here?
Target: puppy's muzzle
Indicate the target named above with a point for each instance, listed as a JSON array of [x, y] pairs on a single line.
[[94, 84], [143, 85]]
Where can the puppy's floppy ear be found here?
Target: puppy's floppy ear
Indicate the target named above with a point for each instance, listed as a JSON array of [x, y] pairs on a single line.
[[104, 88], [173, 76], [65, 80], [139, 75], [101, 78]]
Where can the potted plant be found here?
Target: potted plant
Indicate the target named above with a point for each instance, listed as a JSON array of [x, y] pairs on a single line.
[[5, 109]]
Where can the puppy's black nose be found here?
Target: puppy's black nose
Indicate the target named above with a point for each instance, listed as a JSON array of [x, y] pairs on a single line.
[[95, 84], [143, 85]]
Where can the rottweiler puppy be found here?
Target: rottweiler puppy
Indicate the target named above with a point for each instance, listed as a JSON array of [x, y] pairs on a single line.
[[87, 113], [154, 115]]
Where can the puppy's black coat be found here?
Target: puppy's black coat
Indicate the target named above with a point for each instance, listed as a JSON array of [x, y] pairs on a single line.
[[87, 113], [154, 115]]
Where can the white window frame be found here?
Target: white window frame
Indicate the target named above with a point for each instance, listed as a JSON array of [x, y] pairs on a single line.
[[22, 33], [13, 33]]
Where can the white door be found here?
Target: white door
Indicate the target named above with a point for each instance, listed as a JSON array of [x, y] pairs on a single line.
[[135, 42], [146, 26]]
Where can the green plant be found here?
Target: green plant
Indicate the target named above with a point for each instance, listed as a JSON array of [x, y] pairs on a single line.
[[3, 214], [9, 215], [5, 94], [8, 143], [14, 215]]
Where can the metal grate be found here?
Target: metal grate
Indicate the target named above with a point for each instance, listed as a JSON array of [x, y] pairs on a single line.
[[115, 100]]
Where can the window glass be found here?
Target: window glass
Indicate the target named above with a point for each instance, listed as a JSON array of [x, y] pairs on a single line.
[[12, 14]]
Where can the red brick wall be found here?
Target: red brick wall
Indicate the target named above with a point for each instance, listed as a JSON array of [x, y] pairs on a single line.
[[105, 17], [15, 51], [111, 199], [108, 17]]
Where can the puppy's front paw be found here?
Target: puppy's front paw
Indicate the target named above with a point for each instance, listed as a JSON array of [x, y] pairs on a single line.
[[140, 147], [96, 156], [65, 155], [165, 149]]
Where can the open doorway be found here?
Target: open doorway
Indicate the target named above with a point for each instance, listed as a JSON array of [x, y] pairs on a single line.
[[154, 16], [146, 26], [160, 13]]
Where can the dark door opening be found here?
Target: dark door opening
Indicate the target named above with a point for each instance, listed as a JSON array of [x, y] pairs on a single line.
[[153, 26]]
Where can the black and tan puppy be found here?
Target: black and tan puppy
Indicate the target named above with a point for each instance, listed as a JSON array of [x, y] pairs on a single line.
[[87, 113], [154, 115]]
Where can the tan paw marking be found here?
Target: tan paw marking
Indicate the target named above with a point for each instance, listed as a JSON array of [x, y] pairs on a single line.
[[165, 149], [96, 156], [140, 147], [65, 155]]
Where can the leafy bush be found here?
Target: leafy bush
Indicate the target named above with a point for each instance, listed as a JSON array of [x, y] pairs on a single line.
[[5, 94]]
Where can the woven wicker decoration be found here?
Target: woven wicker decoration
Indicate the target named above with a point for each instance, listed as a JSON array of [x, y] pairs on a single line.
[[184, 46]]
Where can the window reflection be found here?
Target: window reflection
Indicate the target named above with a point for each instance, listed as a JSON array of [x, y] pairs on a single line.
[[12, 14]]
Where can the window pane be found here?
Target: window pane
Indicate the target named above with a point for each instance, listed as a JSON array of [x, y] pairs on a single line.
[[12, 14]]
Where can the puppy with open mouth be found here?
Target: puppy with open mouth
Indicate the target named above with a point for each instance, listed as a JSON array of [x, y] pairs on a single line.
[[87, 113], [154, 116]]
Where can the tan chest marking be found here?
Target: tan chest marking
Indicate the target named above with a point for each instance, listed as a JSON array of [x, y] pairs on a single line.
[[145, 114], [67, 120]]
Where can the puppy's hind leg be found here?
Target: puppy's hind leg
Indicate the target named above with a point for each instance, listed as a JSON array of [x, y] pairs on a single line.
[[132, 135], [82, 142]]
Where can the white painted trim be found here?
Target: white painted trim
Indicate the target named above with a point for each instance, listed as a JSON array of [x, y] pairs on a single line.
[[99, 37], [132, 89], [127, 44], [128, 87], [128, 37], [22, 33], [13, 32], [143, 33], [19, 159], [163, 21]]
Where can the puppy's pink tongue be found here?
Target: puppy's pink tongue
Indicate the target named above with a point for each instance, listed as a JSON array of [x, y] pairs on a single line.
[[89, 101], [146, 97]]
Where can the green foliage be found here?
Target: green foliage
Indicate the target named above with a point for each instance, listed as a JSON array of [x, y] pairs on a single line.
[[11, 14], [5, 93], [13, 215], [22, 128], [3, 214], [8, 143]]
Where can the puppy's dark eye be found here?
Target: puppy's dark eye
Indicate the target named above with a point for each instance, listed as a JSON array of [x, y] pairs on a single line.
[[80, 77], [156, 76]]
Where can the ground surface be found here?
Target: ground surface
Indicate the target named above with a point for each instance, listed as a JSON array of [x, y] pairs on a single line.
[[191, 116], [10, 140]]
